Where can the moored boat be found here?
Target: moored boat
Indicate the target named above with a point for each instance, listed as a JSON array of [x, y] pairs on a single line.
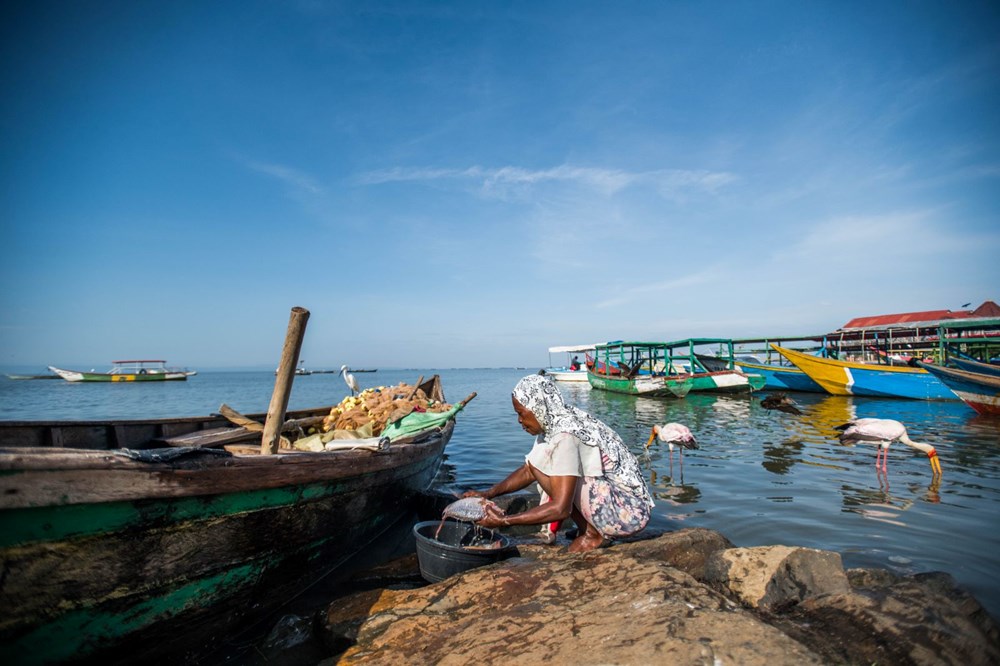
[[574, 370], [710, 374], [849, 378], [634, 368], [779, 377], [974, 366], [127, 371], [142, 539], [976, 389]]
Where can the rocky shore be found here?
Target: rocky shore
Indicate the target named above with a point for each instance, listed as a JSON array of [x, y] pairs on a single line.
[[685, 597]]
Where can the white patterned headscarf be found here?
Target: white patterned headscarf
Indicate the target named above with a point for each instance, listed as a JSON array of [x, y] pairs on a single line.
[[540, 395]]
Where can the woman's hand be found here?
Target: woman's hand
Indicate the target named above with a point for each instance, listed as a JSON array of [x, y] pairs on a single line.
[[495, 517], [493, 521], [472, 493]]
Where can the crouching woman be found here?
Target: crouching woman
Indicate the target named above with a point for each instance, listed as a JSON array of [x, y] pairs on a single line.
[[580, 463]]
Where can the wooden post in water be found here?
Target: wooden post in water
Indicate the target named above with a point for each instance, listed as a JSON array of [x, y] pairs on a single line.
[[283, 380]]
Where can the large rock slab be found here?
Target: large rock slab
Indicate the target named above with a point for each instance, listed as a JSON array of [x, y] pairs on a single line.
[[889, 619], [643, 602], [598, 607], [774, 577]]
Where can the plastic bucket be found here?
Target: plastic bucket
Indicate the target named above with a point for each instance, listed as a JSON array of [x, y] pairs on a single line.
[[446, 556]]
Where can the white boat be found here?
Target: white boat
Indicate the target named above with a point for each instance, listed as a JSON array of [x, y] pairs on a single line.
[[127, 371], [569, 373]]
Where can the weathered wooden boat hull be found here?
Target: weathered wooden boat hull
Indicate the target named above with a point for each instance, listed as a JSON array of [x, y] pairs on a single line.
[[977, 390], [726, 381], [781, 378], [645, 385], [974, 366], [105, 556], [884, 381]]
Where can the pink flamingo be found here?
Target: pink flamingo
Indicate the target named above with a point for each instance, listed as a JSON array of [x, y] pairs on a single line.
[[884, 432], [673, 433]]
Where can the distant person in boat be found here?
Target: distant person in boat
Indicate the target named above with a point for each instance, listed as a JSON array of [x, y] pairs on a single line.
[[581, 463], [575, 365]]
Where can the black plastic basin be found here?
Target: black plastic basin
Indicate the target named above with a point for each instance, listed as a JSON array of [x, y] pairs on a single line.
[[446, 556]]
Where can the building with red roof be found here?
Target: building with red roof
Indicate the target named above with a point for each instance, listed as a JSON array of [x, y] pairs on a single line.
[[930, 318]]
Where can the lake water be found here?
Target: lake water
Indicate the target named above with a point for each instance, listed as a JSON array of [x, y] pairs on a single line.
[[760, 477]]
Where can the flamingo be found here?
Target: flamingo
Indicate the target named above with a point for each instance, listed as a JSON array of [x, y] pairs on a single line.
[[781, 402], [349, 379], [672, 433], [884, 432]]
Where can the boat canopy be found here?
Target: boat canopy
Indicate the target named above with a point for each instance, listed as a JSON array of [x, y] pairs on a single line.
[[140, 361], [572, 349]]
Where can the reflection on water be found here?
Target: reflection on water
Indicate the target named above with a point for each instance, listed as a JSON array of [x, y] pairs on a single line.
[[763, 477], [759, 476]]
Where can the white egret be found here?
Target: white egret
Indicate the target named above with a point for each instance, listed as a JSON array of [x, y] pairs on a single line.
[[349, 380], [884, 432]]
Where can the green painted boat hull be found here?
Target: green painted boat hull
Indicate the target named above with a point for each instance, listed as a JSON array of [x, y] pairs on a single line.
[[665, 387], [726, 382], [158, 576]]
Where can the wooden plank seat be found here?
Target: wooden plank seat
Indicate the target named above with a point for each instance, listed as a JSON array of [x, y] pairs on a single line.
[[210, 437]]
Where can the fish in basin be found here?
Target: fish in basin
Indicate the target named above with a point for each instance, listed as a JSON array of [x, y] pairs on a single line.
[[471, 509]]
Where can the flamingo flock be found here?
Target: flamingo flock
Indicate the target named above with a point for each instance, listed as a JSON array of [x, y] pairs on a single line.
[[881, 432]]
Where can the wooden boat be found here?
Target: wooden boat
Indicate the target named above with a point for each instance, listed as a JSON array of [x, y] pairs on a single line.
[[847, 378], [23, 377], [754, 356], [976, 389], [721, 375], [127, 371], [974, 366], [567, 373], [141, 539], [780, 377], [634, 368]]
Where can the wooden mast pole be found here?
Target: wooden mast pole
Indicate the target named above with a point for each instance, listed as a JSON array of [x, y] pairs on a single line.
[[283, 380]]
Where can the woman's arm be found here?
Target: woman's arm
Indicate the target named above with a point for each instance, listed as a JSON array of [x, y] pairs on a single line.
[[561, 492]]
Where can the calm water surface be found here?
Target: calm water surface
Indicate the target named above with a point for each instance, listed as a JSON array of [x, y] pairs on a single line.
[[760, 477]]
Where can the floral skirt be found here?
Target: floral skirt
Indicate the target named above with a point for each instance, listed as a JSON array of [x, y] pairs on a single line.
[[612, 510]]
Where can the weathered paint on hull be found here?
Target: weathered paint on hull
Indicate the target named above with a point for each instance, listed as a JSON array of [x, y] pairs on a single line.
[[975, 366], [980, 392], [110, 579], [884, 381], [665, 387], [781, 378], [726, 382]]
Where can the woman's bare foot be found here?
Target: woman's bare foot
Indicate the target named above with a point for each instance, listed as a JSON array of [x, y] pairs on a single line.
[[589, 540]]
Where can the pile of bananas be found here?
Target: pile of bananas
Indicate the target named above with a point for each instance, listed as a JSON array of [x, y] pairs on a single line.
[[379, 406]]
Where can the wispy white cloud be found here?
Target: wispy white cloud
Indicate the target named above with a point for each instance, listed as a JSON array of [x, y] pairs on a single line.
[[297, 180], [871, 239], [647, 290], [499, 181]]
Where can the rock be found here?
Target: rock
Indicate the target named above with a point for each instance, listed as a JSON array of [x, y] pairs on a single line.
[[774, 577], [643, 602], [889, 619], [687, 550], [604, 606]]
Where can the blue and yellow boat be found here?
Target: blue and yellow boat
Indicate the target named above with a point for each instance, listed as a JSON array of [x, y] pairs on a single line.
[[886, 381]]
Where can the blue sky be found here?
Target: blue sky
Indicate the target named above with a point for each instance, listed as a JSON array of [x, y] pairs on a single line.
[[457, 184]]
